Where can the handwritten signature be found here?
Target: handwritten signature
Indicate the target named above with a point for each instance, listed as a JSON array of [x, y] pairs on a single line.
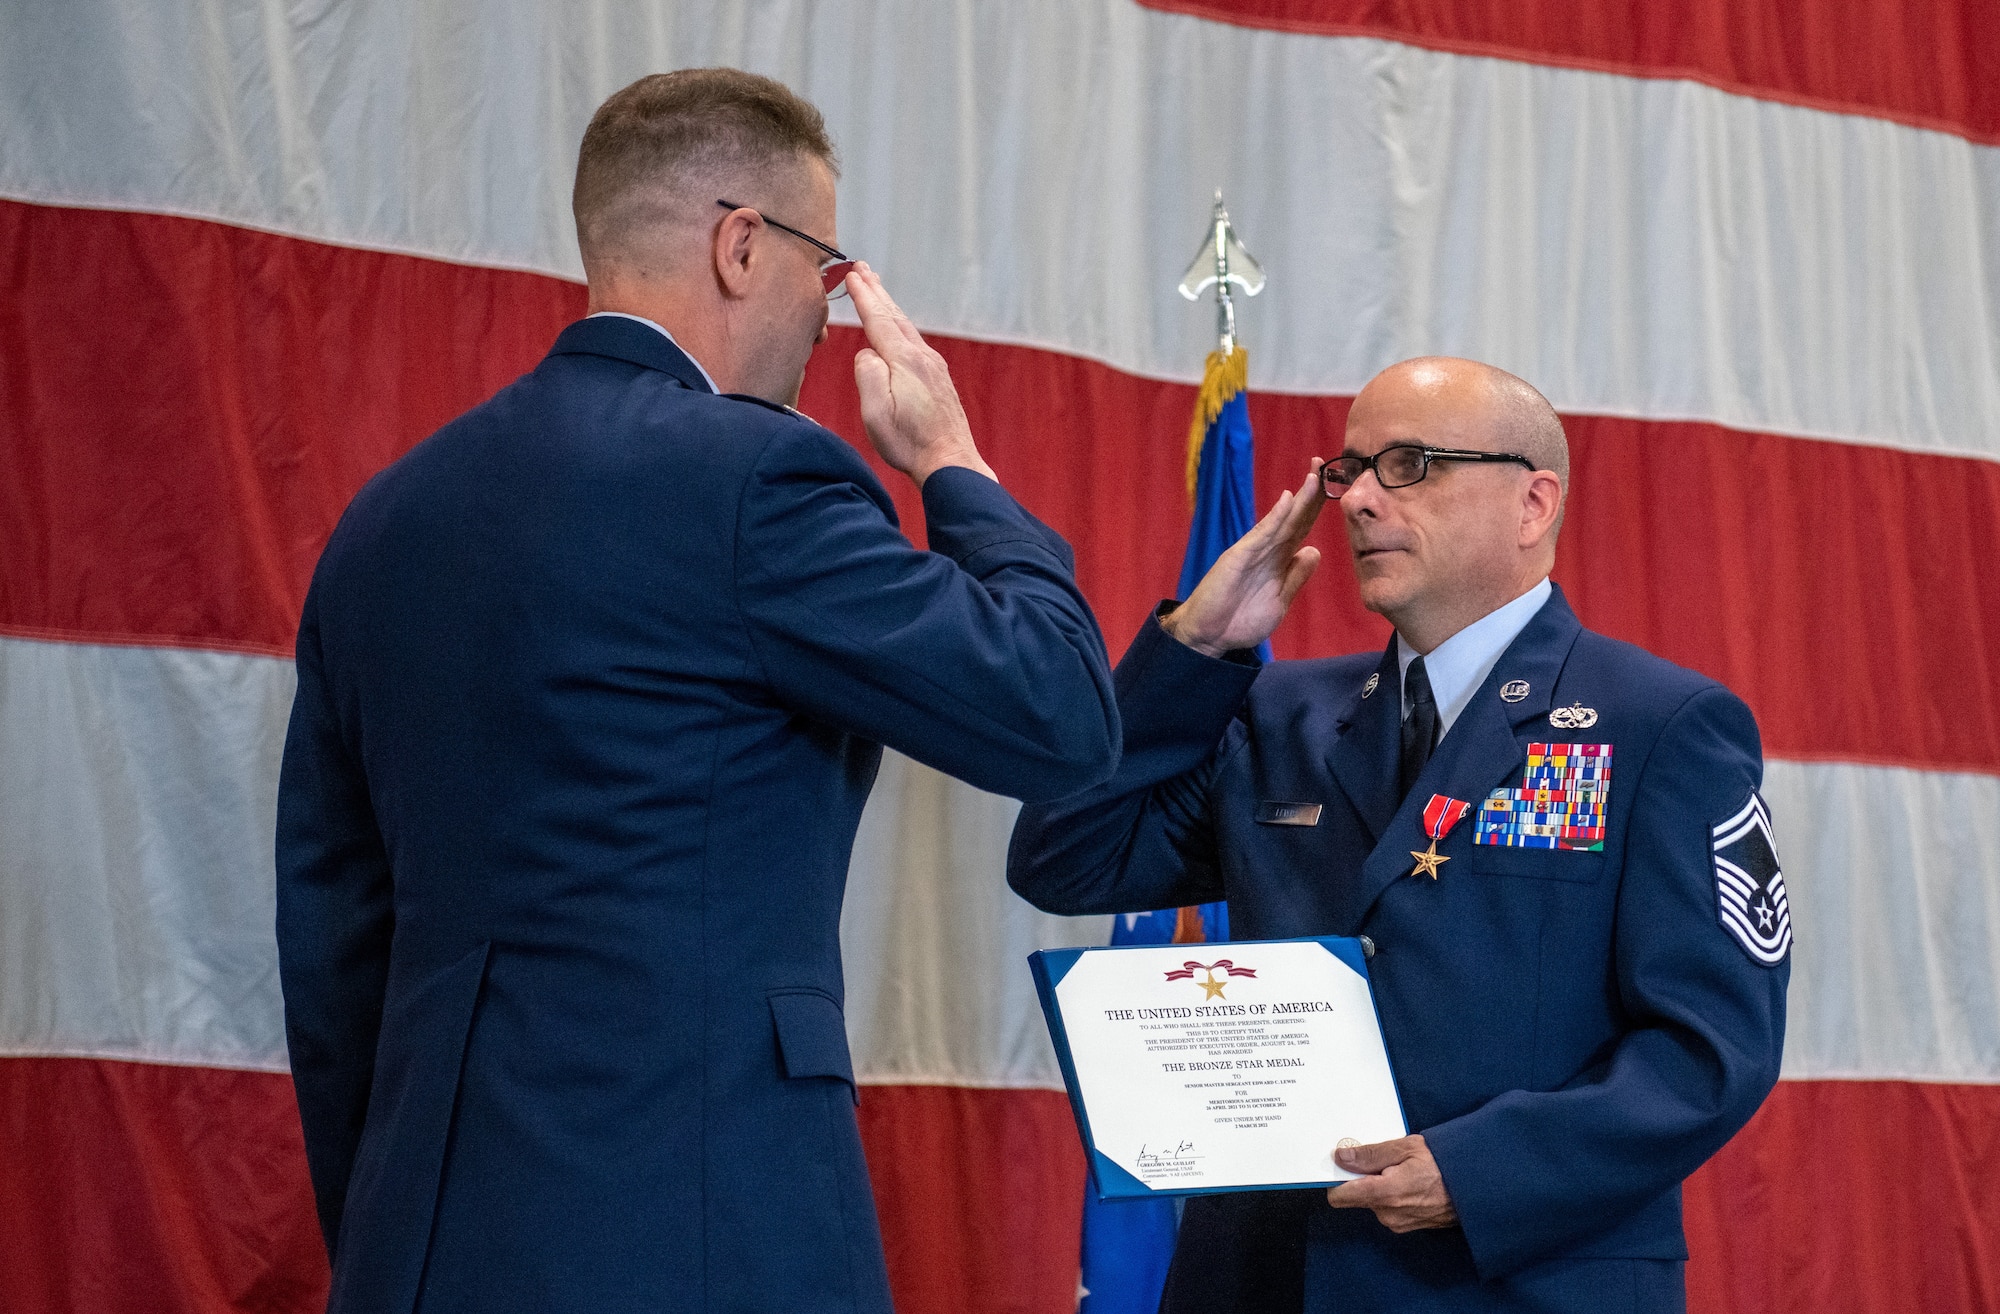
[[1154, 1158]]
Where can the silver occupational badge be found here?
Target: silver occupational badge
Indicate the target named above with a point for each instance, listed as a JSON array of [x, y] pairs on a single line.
[[1574, 717], [1513, 691], [1369, 688]]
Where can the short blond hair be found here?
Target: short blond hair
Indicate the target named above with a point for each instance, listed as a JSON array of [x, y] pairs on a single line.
[[655, 143]]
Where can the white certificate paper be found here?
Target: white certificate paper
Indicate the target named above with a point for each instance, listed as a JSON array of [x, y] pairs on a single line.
[[1219, 1067]]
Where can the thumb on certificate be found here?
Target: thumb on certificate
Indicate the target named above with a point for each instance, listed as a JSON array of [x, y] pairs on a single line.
[[1372, 1158]]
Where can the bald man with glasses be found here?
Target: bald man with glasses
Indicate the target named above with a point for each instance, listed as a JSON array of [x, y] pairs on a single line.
[[1553, 842]]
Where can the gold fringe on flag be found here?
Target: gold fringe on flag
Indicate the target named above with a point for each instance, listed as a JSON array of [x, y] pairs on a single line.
[[1188, 927], [1222, 378]]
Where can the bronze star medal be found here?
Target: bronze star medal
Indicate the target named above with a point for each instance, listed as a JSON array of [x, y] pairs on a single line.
[[1440, 815], [1428, 860]]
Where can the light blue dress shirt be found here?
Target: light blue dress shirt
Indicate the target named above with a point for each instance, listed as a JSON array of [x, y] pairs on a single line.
[[1460, 664]]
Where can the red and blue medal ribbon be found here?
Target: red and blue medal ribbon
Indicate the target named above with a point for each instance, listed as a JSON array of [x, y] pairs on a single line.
[[1440, 815]]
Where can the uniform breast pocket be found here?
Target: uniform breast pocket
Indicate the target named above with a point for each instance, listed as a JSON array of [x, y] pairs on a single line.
[[1575, 865]]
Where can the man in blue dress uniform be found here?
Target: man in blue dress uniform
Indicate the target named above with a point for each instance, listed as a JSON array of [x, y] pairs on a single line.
[[1553, 843], [592, 688]]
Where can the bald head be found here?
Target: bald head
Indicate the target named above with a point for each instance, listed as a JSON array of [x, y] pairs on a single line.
[[1456, 538], [1502, 407]]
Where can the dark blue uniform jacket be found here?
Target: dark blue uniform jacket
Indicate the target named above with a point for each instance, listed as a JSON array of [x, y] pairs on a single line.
[[1573, 1032], [592, 685]]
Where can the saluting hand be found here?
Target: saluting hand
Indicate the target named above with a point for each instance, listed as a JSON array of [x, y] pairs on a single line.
[[908, 403], [1251, 586], [1403, 1186]]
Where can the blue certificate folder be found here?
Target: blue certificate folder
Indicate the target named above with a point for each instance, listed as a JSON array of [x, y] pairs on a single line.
[[1112, 1181]]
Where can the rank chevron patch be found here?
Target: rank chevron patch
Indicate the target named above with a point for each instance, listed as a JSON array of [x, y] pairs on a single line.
[[1749, 887]]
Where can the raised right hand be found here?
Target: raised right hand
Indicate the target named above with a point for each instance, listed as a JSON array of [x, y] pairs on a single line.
[[908, 403], [1251, 586]]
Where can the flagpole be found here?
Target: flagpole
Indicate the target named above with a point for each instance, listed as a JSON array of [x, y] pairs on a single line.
[[1222, 263], [1225, 305], [1127, 1245]]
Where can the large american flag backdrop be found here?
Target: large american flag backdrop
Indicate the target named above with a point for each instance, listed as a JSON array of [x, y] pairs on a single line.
[[252, 251]]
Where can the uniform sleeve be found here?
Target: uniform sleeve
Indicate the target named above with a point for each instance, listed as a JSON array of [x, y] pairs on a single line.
[[1532, 1174], [978, 657], [335, 919], [1144, 839]]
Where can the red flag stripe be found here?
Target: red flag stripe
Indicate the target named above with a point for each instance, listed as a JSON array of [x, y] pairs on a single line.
[[112, 1181], [186, 408], [1932, 66], [980, 1195], [1852, 1195], [135, 1188], [182, 498]]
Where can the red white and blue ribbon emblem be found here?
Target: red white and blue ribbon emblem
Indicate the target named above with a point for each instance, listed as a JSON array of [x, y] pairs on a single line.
[[1440, 815], [1212, 987], [1186, 972]]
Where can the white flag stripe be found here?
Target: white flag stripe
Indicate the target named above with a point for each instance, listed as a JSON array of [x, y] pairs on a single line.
[[136, 915], [136, 886], [1634, 246], [1896, 966], [936, 946]]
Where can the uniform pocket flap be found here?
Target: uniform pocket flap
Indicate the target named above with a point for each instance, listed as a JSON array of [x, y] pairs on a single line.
[[812, 1035]]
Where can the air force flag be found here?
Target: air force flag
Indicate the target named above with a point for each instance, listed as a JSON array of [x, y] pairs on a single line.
[[1749, 887]]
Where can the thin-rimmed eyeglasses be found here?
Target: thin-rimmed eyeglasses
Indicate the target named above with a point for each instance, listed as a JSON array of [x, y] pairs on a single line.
[[833, 270], [1401, 465]]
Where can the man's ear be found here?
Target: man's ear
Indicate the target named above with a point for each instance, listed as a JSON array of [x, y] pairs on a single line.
[[732, 251], [1541, 507]]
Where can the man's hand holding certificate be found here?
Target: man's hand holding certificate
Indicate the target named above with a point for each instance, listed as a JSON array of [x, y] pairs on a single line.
[[1225, 1067]]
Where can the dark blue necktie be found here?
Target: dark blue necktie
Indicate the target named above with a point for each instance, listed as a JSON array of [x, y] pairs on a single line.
[[1420, 727]]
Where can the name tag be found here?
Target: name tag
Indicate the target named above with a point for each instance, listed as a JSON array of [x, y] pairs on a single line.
[[1273, 813]]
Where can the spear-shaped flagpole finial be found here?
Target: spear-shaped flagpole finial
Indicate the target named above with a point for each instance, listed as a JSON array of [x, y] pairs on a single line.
[[1221, 263]]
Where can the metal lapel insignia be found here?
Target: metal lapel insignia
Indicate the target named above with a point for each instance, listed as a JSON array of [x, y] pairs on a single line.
[[1574, 717]]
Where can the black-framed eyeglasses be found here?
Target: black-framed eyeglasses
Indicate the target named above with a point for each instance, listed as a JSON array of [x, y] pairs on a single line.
[[1401, 465], [833, 270]]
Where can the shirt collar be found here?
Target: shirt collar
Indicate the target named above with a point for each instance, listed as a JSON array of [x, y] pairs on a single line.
[[1459, 665], [661, 329]]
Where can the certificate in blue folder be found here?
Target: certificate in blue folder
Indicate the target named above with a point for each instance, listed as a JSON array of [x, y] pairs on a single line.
[[1199, 1068]]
